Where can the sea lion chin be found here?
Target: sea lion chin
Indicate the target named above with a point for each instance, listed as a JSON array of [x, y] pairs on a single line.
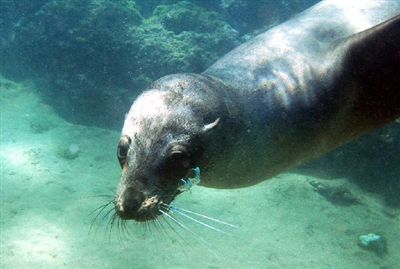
[[289, 95]]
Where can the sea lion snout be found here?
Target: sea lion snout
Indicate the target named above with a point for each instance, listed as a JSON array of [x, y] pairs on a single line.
[[132, 204], [162, 141]]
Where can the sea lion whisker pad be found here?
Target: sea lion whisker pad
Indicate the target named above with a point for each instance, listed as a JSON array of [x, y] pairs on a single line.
[[287, 96]]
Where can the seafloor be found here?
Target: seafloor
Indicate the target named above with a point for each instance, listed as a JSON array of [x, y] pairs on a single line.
[[47, 196]]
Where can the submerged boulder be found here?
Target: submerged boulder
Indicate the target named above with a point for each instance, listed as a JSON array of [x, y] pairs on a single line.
[[373, 242]]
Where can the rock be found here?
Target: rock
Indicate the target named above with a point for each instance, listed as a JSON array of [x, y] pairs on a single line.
[[339, 195], [373, 242], [71, 152]]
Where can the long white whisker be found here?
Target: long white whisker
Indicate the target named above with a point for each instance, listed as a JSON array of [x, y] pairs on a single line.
[[203, 216], [201, 239], [183, 247], [200, 222], [174, 230]]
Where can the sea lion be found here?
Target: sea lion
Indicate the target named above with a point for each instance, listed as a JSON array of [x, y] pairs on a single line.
[[289, 95]]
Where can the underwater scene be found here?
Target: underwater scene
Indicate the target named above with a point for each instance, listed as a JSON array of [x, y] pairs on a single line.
[[263, 134]]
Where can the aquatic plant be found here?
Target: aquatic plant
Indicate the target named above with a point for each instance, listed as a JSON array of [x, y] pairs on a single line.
[[94, 56]]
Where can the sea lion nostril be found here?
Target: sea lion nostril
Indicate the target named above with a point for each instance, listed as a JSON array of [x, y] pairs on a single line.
[[128, 204]]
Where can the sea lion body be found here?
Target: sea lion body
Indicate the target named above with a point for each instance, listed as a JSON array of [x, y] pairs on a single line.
[[299, 91], [289, 95]]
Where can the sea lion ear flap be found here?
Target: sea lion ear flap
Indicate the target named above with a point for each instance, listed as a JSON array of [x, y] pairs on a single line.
[[210, 126]]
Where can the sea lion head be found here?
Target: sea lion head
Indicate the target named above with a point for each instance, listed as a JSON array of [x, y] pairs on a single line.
[[159, 145]]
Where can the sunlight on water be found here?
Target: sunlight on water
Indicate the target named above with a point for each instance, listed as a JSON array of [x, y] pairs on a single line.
[[16, 156]]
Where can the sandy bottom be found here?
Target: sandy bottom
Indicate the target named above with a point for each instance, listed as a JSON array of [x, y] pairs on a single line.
[[47, 197]]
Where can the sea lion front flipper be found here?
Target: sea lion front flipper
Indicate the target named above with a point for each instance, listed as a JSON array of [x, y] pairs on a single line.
[[371, 74]]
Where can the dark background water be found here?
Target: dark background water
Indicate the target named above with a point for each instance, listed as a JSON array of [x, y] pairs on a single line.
[[91, 58]]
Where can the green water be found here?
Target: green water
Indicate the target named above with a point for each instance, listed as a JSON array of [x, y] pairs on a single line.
[[47, 197]]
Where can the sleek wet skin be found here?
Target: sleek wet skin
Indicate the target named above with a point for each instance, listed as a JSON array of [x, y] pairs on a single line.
[[289, 95]]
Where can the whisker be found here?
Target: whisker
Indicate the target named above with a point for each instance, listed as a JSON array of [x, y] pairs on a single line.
[[157, 229], [105, 216], [121, 234], [201, 223], [162, 228], [142, 226], [174, 208], [183, 243], [164, 231], [146, 230], [196, 236], [100, 207], [118, 222], [125, 228], [103, 195], [147, 226], [99, 196], [101, 210], [111, 224], [174, 230]]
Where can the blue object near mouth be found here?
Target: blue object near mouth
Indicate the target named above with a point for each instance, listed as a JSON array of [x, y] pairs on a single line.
[[187, 183]]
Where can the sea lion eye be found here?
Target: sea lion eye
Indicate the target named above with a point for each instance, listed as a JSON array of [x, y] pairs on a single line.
[[180, 158], [122, 149], [178, 155], [177, 164]]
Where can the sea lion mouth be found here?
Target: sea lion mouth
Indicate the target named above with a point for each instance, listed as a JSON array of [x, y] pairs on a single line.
[[138, 208], [132, 204]]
